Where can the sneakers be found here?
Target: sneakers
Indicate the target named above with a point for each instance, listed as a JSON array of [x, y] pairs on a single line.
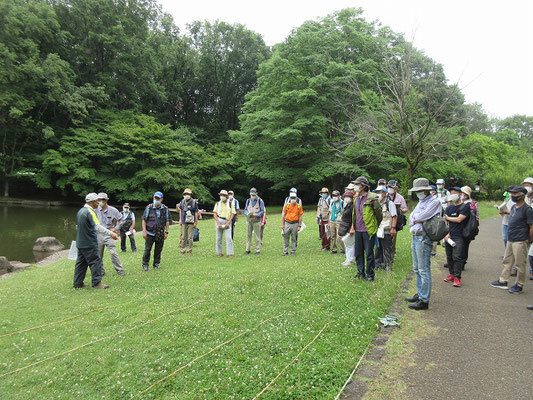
[[457, 282], [145, 267], [413, 299], [369, 279], [101, 286], [530, 307], [247, 252], [157, 266], [347, 263], [499, 285], [449, 278], [419, 305], [359, 276], [515, 289]]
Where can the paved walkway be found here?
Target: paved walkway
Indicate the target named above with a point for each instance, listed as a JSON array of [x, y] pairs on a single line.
[[484, 347]]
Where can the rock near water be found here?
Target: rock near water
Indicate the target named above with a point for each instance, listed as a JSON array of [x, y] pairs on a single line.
[[5, 266], [48, 244]]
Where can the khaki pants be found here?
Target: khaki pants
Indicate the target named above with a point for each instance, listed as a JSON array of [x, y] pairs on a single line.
[[290, 232], [335, 239], [186, 241], [107, 241], [253, 226], [515, 254]]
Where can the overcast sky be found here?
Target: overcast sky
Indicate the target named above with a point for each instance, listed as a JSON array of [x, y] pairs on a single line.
[[486, 46]]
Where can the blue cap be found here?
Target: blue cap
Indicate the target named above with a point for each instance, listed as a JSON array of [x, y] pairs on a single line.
[[456, 188], [158, 194]]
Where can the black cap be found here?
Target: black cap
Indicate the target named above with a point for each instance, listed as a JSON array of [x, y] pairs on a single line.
[[517, 189], [456, 188]]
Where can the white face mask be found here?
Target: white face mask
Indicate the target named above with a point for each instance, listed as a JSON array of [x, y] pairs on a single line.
[[293, 201], [230, 197], [187, 197], [253, 196], [421, 195], [223, 198], [390, 190], [464, 197], [357, 188], [453, 197], [381, 197], [101, 203], [347, 200], [440, 186], [125, 209], [529, 189], [335, 199]]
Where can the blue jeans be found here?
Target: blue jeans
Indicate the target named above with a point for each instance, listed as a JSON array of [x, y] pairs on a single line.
[[421, 251], [364, 245], [505, 234]]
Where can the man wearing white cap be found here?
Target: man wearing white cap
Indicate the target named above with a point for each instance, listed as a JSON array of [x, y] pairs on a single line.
[[288, 198], [427, 208], [87, 243], [224, 213], [442, 193], [113, 220]]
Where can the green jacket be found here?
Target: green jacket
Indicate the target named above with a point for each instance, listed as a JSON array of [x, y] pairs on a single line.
[[372, 213]]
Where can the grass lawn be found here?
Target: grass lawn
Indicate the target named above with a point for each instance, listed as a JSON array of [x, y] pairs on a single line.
[[279, 303]]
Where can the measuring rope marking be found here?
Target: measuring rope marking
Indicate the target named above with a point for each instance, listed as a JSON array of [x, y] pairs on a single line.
[[205, 355], [68, 318], [292, 362], [99, 340]]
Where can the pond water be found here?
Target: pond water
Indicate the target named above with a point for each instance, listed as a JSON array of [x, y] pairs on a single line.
[[21, 225]]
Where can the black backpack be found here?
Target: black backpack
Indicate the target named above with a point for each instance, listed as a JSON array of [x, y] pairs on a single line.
[[470, 226], [400, 220]]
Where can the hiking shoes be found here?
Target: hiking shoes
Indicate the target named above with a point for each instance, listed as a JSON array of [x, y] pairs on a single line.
[[449, 278], [413, 299], [101, 286], [499, 285], [419, 305], [515, 289], [145, 267], [530, 307], [457, 282]]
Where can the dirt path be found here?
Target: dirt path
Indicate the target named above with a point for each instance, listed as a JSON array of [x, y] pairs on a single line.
[[483, 348]]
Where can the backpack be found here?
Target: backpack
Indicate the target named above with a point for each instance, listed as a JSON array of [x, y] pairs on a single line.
[[435, 228], [470, 226], [400, 220], [196, 235]]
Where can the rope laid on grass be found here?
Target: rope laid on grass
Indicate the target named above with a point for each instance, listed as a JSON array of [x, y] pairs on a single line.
[[67, 319], [352, 374], [205, 355], [292, 362], [99, 340]]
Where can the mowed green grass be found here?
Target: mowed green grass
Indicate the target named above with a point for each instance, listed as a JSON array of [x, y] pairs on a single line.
[[302, 292]]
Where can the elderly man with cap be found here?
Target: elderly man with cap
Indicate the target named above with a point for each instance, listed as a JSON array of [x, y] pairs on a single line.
[[232, 199], [188, 217], [335, 212], [367, 216], [442, 193], [224, 213], [427, 208], [155, 222], [291, 223], [322, 217], [110, 218], [87, 243], [401, 208], [253, 211], [128, 228], [288, 198], [519, 240]]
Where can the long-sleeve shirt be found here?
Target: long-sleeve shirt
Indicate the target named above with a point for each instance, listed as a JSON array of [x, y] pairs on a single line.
[[87, 226], [254, 202], [425, 209], [110, 217]]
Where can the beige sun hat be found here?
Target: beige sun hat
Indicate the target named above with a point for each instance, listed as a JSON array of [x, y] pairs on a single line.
[[324, 190], [187, 191], [223, 193], [420, 185], [467, 190]]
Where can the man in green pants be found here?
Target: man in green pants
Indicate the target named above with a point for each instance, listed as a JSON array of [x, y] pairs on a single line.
[[253, 211]]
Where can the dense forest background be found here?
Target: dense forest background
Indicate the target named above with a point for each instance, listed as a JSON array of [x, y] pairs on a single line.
[[109, 95]]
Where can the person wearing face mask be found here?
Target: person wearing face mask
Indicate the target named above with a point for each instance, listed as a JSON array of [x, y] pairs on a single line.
[[401, 208], [335, 212], [232, 199], [253, 210], [110, 218], [188, 216], [127, 226], [291, 223], [322, 217], [224, 213], [528, 184], [155, 223], [345, 225], [386, 230], [367, 216], [87, 227], [466, 198], [427, 208], [442, 193], [519, 239], [456, 213]]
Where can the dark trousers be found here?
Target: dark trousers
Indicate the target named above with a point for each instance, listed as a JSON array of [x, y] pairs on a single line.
[[150, 240], [323, 236], [232, 226], [465, 251], [87, 258], [384, 252], [455, 257], [123, 237], [364, 245]]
